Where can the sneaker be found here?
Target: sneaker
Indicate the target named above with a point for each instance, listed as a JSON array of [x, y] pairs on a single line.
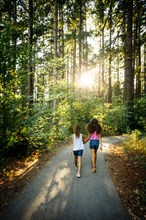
[[78, 175]]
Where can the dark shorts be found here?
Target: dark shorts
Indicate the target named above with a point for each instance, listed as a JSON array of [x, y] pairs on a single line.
[[78, 153], [94, 144]]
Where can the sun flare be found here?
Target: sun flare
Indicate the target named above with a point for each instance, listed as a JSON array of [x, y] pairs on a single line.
[[86, 80]]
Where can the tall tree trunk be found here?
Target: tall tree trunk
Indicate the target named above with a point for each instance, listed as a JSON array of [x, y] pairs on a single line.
[[129, 76], [109, 73], [144, 69], [102, 66], [99, 72], [117, 85], [102, 9], [80, 37], [110, 57], [138, 53], [61, 38], [55, 51], [85, 44], [74, 57], [14, 39], [138, 68], [14, 57], [30, 67]]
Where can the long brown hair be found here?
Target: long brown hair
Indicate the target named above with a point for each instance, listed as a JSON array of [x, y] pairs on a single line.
[[93, 126], [77, 130]]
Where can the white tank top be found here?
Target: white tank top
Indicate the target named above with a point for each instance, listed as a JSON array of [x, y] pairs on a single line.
[[78, 143]]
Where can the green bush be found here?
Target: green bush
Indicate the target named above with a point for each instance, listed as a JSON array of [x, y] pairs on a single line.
[[134, 144], [46, 125]]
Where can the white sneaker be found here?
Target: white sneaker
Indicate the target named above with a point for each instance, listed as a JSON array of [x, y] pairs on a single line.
[[78, 175]]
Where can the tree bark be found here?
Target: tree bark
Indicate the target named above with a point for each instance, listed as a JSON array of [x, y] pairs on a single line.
[[109, 74], [80, 37], [30, 67], [55, 51], [138, 52], [129, 76], [144, 68], [110, 56]]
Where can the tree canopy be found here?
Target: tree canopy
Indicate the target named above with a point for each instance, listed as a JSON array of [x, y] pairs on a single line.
[[63, 62]]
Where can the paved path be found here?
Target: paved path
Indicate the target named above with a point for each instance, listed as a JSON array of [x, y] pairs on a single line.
[[56, 193]]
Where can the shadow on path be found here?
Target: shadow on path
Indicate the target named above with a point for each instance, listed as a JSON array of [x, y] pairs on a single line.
[[56, 193]]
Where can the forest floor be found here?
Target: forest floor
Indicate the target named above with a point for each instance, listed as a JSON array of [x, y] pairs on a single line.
[[127, 175], [129, 178]]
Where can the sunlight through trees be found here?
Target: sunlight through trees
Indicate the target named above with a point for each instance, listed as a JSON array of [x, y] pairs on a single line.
[[54, 52]]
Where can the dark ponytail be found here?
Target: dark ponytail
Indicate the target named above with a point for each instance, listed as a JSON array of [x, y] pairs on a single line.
[[93, 126]]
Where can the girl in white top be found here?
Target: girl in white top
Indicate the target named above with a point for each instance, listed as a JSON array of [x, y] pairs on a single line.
[[77, 148]]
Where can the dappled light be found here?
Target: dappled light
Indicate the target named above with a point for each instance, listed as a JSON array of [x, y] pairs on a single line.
[[19, 169], [53, 187], [60, 184]]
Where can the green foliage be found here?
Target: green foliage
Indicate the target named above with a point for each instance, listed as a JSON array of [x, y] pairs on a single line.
[[45, 125], [134, 144], [142, 186], [114, 119], [136, 114], [79, 112]]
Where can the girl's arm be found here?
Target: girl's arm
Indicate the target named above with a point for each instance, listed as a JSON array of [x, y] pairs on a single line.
[[100, 141], [72, 141], [83, 138], [88, 138]]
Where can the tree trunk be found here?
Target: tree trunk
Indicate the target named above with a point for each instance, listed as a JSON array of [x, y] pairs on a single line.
[[129, 76], [74, 57], [30, 65], [138, 68], [61, 38], [80, 37], [110, 55], [117, 86], [102, 66], [14, 39], [138, 53], [144, 69], [55, 51], [109, 74]]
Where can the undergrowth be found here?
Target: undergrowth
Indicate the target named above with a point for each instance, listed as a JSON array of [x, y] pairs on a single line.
[[135, 146]]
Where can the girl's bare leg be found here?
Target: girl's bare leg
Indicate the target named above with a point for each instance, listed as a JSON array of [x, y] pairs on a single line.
[[79, 164], [93, 156], [75, 161]]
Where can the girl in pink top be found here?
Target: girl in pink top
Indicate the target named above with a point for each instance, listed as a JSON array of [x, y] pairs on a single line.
[[94, 135]]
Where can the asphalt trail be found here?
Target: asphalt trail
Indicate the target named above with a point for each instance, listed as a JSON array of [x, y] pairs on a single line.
[[55, 193]]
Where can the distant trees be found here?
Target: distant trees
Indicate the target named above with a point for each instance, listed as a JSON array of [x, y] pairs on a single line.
[[125, 22], [45, 47]]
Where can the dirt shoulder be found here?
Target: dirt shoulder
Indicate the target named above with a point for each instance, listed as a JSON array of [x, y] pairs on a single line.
[[129, 178]]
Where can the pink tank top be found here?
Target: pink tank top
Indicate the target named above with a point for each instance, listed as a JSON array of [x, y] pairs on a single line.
[[94, 136]]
